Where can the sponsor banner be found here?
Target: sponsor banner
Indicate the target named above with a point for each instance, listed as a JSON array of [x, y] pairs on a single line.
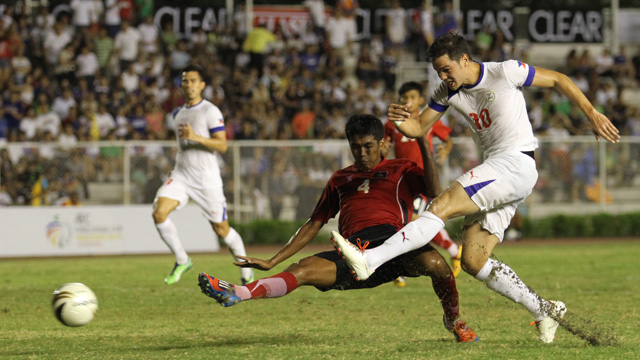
[[97, 230], [543, 26]]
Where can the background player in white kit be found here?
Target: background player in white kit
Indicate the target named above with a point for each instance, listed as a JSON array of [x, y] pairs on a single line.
[[196, 175], [489, 95]]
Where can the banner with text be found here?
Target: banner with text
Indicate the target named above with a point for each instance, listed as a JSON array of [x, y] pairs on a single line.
[[99, 230]]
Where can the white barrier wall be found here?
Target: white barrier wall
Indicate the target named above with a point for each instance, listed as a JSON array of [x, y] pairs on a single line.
[[97, 230]]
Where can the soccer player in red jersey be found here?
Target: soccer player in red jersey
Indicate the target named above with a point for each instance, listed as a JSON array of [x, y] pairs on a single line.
[[412, 95], [374, 197]]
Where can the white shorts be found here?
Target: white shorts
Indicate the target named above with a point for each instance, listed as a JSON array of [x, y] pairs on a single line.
[[210, 199], [498, 186]]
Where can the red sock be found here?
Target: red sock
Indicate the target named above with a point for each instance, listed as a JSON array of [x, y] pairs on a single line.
[[272, 287], [446, 290], [443, 240]]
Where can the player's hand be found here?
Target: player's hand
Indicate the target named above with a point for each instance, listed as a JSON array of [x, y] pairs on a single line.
[[250, 262], [186, 131], [397, 112], [601, 126], [442, 152]]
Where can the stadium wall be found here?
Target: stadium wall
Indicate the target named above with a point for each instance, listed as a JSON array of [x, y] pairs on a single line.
[[97, 230]]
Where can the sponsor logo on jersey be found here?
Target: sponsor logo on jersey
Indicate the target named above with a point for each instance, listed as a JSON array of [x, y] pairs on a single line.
[[490, 95], [380, 174]]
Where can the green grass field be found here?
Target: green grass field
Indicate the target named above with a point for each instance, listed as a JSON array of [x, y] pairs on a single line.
[[142, 318]]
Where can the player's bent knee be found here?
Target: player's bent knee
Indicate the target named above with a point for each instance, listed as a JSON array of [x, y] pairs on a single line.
[[159, 216], [472, 264]]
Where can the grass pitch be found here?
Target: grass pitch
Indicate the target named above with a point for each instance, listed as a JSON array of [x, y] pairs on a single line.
[[142, 318]]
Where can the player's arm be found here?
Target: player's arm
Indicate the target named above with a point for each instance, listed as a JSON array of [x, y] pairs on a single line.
[[600, 125], [217, 141], [414, 127], [300, 239], [431, 178]]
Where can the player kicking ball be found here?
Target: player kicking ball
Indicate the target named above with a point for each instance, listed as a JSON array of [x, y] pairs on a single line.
[[389, 187], [489, 96]]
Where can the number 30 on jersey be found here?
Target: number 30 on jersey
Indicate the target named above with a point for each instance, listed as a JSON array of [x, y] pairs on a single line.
[[482, 120]]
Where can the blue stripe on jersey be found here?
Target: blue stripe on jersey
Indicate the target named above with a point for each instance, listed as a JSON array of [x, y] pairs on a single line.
[[532, 73], [437, 107], [224, 213], [175, 112], [479, 78], [473, 189], [216, 129]]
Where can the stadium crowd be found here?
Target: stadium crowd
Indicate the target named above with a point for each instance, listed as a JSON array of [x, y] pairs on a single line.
[[106, 71]]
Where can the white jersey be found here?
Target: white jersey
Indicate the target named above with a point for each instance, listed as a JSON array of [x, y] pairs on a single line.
[[197, 164], [494, 106]]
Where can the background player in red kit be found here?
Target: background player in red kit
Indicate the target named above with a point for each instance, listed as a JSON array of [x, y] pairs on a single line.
[[412, 95], [374, 197]]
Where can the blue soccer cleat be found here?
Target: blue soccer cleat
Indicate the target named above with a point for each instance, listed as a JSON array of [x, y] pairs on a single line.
[[218, 289]]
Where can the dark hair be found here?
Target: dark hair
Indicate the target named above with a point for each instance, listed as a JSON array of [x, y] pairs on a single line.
[[363, 125], [196, 68], [408, 86], [452, 44]]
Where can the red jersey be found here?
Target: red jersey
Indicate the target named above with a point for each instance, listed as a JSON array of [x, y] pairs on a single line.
[[406, 148], [383, 195]]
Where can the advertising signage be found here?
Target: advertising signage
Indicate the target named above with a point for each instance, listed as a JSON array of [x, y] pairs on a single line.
[[556, 25], [542, 26]]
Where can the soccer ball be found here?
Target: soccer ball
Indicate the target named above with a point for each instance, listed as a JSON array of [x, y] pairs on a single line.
[[74, 304]]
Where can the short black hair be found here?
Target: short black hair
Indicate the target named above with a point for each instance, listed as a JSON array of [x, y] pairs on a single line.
[[196, 68], [452, 44], [363, 125], [408, 86]]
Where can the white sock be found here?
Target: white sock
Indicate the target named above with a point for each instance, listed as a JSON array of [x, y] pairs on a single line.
[[169, 235], [413, 236], [502, 279], [236, 247]]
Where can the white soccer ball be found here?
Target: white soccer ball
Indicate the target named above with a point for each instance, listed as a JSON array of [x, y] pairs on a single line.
[[74, 304]]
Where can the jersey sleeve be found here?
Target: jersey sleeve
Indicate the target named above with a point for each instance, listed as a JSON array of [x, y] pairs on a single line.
[[518, 73], [414, 176], [215, 122], [388, 130], [440, 99], [441, 131], [328, 205]]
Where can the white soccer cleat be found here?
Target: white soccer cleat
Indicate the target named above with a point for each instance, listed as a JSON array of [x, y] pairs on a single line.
[[355, 256], [548, 325]]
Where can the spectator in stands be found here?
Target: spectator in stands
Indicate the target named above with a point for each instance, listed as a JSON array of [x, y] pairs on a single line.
[[29, 125], [54, 42], [179, 58], [341, 32], [14, 110], [317, 15], [112, 18], [48, 120], [422, 26], [63, 102], [446, 20], [20, 65], [148, 35], [126, 43], [396, 24], [257, 45]]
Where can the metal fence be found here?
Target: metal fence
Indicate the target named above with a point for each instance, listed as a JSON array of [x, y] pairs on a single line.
[[284, 179]]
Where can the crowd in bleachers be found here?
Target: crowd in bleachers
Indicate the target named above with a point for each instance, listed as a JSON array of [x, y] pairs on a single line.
[[106, 71]]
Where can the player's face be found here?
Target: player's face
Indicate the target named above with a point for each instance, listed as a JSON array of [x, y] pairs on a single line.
[[413, 98], [450, 71], [366, 151], [192, 85]]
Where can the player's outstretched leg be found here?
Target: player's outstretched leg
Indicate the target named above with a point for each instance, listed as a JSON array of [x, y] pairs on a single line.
[[220, 290], [549, 324], [460, 330], [178, 270]]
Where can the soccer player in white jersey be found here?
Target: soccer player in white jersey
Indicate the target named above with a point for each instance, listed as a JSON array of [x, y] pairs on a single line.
[[201, 134], [489, 96]]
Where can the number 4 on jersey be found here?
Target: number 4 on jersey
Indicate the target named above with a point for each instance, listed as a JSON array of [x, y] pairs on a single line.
[[364, 187]]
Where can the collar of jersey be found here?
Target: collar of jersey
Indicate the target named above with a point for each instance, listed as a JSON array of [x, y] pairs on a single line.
[[479, 78], [189, 107]]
